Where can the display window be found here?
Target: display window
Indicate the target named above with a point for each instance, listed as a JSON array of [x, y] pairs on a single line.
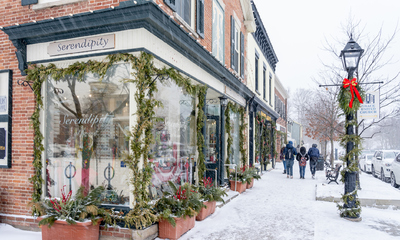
[[235, 132], [86, 127], [174, 146]]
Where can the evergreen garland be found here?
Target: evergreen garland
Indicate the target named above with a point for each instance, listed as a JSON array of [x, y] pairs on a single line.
[[144, 76], [201, 167], [344, 98], [265, 140], [228, 128]]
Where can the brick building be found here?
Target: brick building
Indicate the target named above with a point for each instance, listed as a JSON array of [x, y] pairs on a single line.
[[203, 40]]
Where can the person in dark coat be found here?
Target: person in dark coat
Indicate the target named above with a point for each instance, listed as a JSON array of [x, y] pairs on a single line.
[[313, 152], [302, 157], [282, 157], [289, 152]]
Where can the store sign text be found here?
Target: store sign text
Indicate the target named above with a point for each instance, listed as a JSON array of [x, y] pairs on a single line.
[[82, 45], [92, 119]]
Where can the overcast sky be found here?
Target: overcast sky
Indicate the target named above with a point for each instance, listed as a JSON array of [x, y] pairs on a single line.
[[298, 29]]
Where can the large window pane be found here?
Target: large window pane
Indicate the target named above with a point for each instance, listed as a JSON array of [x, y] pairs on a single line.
[[85, 136], [235, 120], [174, 137]]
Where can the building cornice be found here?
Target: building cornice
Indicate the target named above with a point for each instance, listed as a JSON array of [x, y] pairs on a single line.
[[263, 40], [129, 15], [281, 89]]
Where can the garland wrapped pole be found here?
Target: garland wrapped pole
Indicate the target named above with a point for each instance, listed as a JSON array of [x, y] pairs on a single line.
[[351, 54]]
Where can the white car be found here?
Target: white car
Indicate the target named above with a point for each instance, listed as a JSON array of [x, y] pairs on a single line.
[[382, 163], [395, 174], [366, 162]]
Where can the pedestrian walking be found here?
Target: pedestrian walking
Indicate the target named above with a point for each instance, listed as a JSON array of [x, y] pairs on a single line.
[[302, 157], [289, 152], [313, 152], [282, 157]]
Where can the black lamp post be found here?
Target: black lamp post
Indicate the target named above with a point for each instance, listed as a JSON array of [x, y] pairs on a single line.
[[350, 55], [224, 102]]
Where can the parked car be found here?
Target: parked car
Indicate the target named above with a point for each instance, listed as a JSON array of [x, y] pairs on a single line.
[[382, 162], [366, 162], [395, 174]]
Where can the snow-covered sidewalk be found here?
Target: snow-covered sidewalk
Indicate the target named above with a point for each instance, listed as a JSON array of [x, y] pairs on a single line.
[[281, 208]]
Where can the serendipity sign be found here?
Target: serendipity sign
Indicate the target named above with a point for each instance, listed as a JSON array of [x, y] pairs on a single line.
[[370, 108], [82, 45]]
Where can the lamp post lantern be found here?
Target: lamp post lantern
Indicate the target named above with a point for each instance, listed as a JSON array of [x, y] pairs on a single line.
[[350, 55]]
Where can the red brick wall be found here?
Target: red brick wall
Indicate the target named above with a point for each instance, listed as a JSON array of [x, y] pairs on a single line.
[[15, 189], [280, 120]]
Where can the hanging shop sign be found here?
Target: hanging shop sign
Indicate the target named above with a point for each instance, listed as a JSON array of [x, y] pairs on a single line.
[[370, 108], [5, 118], [82, 45]]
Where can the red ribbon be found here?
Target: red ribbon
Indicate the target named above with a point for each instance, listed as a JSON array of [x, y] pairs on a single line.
[[353, 89]]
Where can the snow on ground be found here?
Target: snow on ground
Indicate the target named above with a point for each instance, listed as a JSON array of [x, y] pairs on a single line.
[[278, 208], [281, 208], [8, 232]]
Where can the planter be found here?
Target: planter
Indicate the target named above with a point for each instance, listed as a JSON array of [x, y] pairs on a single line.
[[205, 212], [166, 230], [61, 230], [240, 187], [251, 184]]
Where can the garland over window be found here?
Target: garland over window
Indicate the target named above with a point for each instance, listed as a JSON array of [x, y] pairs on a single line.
[[144, 76], [235, 108]]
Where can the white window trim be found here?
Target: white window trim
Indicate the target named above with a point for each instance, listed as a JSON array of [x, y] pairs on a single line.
[[54, 3], [186, 25]]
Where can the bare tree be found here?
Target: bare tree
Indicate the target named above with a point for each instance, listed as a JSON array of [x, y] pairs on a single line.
[[373, 64]]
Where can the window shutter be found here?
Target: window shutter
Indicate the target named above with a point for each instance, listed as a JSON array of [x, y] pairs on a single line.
[[242, 55], [28, 2], [171, 4], [200, 17], [233, 43]]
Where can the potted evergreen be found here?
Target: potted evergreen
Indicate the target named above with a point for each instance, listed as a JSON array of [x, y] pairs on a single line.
[[238, 180], [251, 174], [210, 194], [76, 217], [177, 211]]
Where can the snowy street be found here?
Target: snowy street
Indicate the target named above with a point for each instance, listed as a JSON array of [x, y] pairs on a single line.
[[281, 208]]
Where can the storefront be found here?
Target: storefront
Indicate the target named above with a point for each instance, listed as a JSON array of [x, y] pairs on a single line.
[[86, 118], [262, 133]]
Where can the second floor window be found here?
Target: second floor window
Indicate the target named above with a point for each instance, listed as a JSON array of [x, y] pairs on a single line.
[[264, 85], [184, 9], [256, 73], [218, 31], [270, 89]]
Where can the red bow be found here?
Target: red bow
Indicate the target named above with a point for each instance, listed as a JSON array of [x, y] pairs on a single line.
[[353, 89]]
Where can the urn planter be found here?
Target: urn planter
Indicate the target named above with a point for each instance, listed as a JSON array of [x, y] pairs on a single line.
[[166, 230], [251, 184], [205, 212], [62, 230], [240, 187]]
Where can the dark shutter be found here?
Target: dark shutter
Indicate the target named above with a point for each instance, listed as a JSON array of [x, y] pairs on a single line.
[[241, 55], [28, 2], [233, 43], [171, 4], [200, 18]]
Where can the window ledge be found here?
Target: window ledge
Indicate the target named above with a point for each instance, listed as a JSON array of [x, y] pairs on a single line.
[[186, 25], [54, 4]]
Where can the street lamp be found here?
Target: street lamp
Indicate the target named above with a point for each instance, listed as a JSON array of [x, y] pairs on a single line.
[[350, 55], [224, 102]]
